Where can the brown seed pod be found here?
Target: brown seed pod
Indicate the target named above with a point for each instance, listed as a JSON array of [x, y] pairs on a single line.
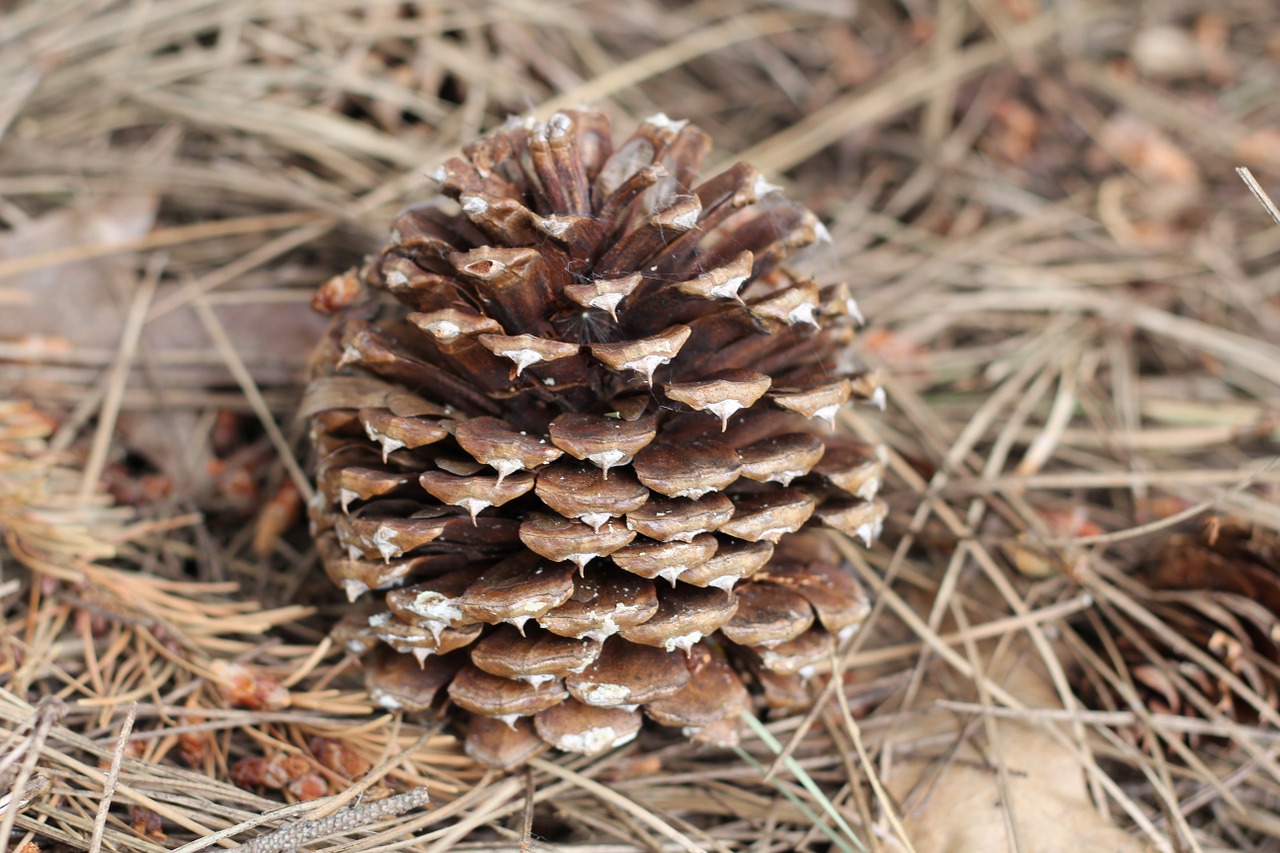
[[569, 430]]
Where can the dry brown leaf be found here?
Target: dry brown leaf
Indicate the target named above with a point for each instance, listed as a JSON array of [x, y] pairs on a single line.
[[1015, 130], [71, 281], [272, 337], [1213, 33], [1259, 148], [1147, 217], [1167, 52], [42, 296], [1021, 10], [1158, 205], [1147, 150], [951, 795]]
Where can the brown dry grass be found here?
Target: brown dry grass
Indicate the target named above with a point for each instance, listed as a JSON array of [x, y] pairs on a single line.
[[1075, 299]]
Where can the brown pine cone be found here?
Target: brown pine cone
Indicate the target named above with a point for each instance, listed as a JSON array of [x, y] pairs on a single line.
[[1218, 590], [569, 440]]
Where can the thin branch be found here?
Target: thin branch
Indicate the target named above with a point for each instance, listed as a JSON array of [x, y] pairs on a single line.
[[113, 778], [295, 834]]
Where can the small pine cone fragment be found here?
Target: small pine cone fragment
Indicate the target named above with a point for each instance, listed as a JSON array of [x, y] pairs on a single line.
[[572, 439], [1218, 590]]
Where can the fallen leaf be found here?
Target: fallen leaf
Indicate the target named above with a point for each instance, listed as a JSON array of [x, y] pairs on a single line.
[[950, 794], [1147, 150], [93, 286], [1014, 132], [1259, 148], [272, 337], [1021, 10], [1167, 52]]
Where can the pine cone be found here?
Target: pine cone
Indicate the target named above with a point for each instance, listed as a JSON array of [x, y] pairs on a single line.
[[573, 434], [1218, 590]]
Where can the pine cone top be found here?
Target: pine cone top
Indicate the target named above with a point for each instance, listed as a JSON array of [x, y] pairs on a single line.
[[592, 372]]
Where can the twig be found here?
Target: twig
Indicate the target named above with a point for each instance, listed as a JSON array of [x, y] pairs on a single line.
[[737, 28], [113, 777], [526, 819], [806, 781], [48, 713], [251, 391], [886, 802], [376, 773], [607, 795], [117, 378], [295, 834], [1168, 521], [159, 238], [1258, 192]]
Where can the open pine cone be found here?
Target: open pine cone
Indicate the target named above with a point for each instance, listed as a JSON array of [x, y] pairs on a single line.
[[572, 433], [1219, 590]]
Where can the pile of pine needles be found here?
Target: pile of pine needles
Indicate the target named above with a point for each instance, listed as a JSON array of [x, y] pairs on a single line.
[[1074, 299]]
